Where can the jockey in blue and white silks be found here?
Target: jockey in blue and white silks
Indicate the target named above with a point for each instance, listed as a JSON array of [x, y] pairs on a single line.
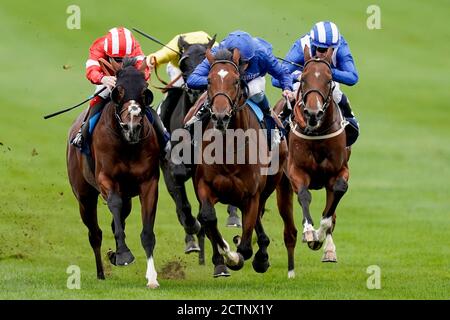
[[257, 60], [322, 36]]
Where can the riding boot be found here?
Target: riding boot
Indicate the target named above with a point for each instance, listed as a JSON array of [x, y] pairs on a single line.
[[352, 129], [83, 135], [263, 103], [161, 132]]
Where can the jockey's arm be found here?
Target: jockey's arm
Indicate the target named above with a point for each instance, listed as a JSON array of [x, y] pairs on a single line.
[[345, 71], [198, 79], [165, 55], [94, 72], [279, 72]]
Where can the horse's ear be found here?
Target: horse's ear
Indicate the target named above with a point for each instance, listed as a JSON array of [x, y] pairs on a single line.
[[143, 66], [147, 97], [116, 66], [236, 56], [329, 54], [117, 94], [306, 53], [211, 41], [182, 44], [209, 56]]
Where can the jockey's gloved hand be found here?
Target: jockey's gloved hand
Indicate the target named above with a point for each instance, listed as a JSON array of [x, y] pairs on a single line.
[[288, 94], [109, 81]]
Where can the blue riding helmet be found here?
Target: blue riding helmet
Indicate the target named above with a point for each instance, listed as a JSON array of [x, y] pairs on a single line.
[[243, 41], [325, 34]]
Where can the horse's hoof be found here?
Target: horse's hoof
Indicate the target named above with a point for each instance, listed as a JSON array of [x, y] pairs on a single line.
[[153, 285], [260, 263], [310, 236], [191, 246], [239, 265], [194, 229], [315, 245], [237, 240], [201, 261], [329, 256], [221, 271], [234, 222], [101, 276], [124, 259], [291, 274]]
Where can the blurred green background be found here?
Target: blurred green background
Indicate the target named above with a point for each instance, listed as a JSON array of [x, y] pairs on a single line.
[[395, 215]]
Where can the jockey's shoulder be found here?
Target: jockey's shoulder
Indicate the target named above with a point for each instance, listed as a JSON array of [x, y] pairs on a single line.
[[196, 37]]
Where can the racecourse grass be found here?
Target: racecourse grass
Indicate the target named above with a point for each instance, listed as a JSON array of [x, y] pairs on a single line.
[[395, 215]]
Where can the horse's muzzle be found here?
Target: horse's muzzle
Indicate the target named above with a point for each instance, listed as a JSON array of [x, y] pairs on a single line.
[[132, 132], [221, 121]]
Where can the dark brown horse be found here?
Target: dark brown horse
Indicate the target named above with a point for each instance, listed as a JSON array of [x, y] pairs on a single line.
[[244, 184], [318, 157], [124, 163]]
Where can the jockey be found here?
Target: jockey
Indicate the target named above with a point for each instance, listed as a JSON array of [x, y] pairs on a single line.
[[167, 56], [322, 36], [116, 45], [256, 60]]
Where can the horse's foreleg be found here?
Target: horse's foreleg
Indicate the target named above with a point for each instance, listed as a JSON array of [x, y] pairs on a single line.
[[208, 218], [149, 196], [123, 255], [335, 192], [126, 210], [261, 260], [178, 193], [285, 208], [250, 214]]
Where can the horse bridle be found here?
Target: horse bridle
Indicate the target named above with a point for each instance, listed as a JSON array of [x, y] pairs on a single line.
[[119, 110], [233, 102], [327, 98]]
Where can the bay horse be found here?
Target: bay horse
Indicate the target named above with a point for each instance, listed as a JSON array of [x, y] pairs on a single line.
[[240, 184], [123, 163], [318, 157], [175, 176]]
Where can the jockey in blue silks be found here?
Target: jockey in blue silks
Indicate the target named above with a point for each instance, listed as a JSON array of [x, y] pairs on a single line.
[[257, 60], [322, 36]]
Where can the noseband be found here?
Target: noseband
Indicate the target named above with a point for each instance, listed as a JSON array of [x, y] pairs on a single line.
[[233, 102]]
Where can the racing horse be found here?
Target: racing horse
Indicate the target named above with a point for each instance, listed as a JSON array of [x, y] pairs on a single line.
[[240, 183], [122, 163], [175, 176], [318, 157]]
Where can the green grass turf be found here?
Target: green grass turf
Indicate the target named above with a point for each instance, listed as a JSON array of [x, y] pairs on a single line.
[[395, 215]]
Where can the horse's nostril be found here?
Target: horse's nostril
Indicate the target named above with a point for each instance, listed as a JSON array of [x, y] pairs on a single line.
[[320, 114], [214, 117], [306, 112], [126, 127], [226, 117], [138, 126]]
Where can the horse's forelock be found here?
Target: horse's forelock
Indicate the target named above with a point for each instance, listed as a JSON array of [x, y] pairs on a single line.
[[224, 54]]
